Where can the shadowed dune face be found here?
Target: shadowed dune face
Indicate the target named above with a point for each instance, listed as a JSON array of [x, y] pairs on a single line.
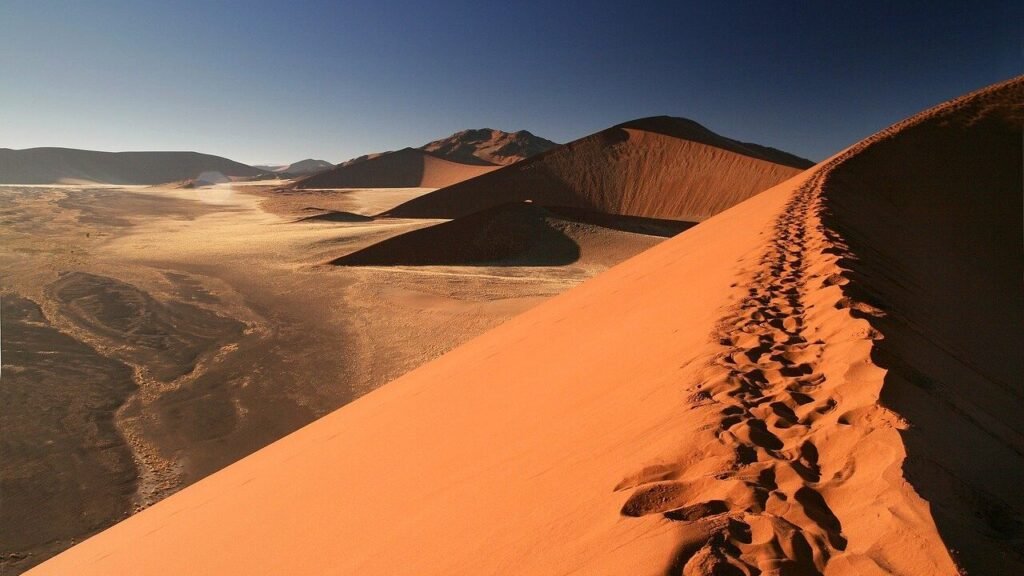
[[406, 168], [666, 168], [335, 216], [307, 166], [518, 234], [513, 234], [879, 336], [943, 264]]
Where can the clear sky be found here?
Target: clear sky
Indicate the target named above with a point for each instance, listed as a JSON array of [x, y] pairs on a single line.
[[275, 81]]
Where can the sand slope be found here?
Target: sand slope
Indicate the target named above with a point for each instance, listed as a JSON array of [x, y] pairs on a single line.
[[515, 234], [784, 389], [307, 166], [658, 167], [406, 168], [58, 165]]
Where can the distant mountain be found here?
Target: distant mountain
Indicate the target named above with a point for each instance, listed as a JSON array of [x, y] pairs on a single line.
[[487, 146], [658, 167], [406, 168], [67, 165], [307, 166]]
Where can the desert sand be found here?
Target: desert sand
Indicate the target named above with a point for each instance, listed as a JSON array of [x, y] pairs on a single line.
[[786, 388], [405, 168], [307, 166], [194, 326], [517, 234], [659, 167]]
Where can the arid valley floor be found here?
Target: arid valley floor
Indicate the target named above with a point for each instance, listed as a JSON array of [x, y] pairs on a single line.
[[197, 326]]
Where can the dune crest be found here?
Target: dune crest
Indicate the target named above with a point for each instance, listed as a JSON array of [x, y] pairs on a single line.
[[658, 167], [821, 376], [406, 168], [786, 388]]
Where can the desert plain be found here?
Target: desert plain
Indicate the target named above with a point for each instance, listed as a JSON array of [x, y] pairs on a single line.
[[153, 335]]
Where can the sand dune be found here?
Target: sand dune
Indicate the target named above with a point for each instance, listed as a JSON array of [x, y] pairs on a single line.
[[141, 289], [321, 215], [658, 167], [824, 378], [406, 168], [60, 165], [307, 166], [927, 219], [486, 146], [515, 234]]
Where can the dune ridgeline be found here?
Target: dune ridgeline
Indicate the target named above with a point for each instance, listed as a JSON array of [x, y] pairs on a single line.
[[821, 379], [659, 167], [437, 164], [597, 200]]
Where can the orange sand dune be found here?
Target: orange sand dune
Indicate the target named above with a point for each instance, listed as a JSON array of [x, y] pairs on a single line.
[[823, 379], [406, 168], [655, 167]]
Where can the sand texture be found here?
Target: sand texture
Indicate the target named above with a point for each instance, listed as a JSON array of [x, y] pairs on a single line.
[[658, 167], [406, 168], [518, 234], [823, 379], [153, 335]]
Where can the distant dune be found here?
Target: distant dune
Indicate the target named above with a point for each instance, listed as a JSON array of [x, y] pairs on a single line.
[[440, 163], [307, 166], [822, 379], [66, 165], [486, 146], [406, 168], [658, 167], [516, 234]]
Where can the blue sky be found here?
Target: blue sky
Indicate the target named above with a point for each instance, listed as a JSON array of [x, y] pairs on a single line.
[[273, 81]]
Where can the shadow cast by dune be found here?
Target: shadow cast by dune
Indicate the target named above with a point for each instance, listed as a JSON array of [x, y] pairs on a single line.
[[508, 235], [661, 227], [941, 273], [520, 234], [335, 216]]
